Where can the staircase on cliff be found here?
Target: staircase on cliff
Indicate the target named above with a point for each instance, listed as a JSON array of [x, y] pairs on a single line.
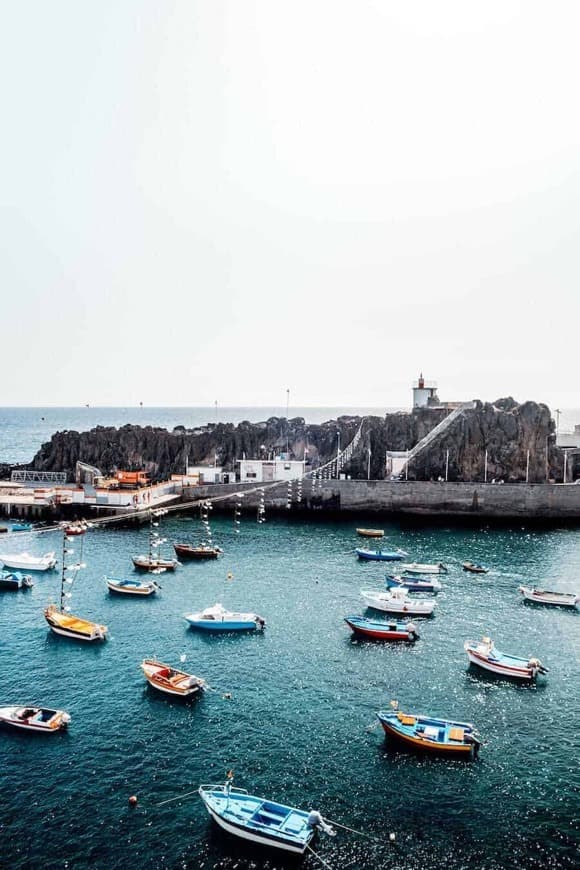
[[433, 435]]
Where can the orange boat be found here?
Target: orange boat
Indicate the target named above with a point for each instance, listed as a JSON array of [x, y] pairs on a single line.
[[170, 680], [371, 533]]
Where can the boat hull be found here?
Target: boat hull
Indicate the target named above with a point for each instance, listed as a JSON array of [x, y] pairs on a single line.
[[57, 722], [371, 533], [372, 556], [391, 604], [413, 585], [144, 564], [373, 631], [550, 599], [76, 629], [432, 747], [163, 683], [255, 837], [196, 553], [416, 568], [40, 563], [226, 625], [495, 667], [131, 590]]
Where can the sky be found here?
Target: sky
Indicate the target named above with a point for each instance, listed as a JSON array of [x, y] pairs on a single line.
[[222, 200]]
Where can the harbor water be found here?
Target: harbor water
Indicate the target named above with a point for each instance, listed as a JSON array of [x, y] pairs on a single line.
[[292, 710]]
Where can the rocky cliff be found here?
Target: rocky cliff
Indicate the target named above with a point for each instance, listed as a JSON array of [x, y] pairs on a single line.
[[505, 429]]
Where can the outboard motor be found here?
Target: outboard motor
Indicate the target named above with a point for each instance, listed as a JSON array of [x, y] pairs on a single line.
[[315, 820], [412, 631]]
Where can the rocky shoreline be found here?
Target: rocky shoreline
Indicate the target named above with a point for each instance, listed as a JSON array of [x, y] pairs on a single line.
[[518, 440]]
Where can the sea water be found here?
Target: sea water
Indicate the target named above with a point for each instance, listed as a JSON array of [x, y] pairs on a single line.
[[292, 710]]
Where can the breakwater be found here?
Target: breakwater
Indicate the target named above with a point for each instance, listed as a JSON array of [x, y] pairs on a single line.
[[460, 500]]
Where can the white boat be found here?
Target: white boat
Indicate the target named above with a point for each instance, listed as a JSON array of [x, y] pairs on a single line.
[[26, 562], [37, 719], [425, 568], [132, 587], [556, 599], [485, 655], [398, 601], [217, 618]]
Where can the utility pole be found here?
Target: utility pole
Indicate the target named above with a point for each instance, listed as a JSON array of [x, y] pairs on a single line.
[[485, 469], [369, 465], [337, 451], [446, 466], [565, 464]]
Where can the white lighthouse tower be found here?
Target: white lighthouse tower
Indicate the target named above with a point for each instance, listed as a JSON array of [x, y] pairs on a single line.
[[424, 393]]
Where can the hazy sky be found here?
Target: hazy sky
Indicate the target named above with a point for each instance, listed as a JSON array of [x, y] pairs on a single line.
[[221, 200]]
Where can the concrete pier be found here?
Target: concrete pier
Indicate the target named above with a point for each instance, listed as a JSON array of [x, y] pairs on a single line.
[[467, 500]]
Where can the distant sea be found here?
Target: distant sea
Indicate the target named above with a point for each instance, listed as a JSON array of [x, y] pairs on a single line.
[[24, 430]]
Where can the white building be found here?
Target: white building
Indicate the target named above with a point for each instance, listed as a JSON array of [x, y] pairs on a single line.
[[200, 474], [267, 470], [424, 393]]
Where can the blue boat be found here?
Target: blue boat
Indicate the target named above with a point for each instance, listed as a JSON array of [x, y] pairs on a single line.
[[21, 527], [14, 580], [259, 820], [425, 733], [381, 555], [217, 618], [413, 584]]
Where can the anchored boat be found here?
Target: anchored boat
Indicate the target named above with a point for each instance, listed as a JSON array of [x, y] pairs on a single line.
[[555, 599], [217, 618], [59, 618], [261, 821], [26, 562], [132, 587], [370, 533], [152, 561], [15, 580], [21, 527], [203, 551], [39, 719], [474, 568], [170, 680], [424, 568], [431, 735], [380, 555], [374, 630], [398, 601], [485, 655], [412, 584]]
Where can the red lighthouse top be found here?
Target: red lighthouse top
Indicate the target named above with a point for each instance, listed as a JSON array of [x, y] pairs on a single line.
[[421, 383]]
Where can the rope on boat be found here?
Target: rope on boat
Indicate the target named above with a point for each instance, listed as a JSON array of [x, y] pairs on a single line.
[[319, 857]]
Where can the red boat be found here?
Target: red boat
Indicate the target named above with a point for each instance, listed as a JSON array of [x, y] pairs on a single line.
[[204, 551], [375, 630]]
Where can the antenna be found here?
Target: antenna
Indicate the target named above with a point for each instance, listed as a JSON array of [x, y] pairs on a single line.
[[287, 427]]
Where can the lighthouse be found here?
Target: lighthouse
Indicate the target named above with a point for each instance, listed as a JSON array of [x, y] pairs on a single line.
[[424, 393]]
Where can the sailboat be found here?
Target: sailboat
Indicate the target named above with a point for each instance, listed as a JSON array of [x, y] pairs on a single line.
[[152, 561], [59, 617]]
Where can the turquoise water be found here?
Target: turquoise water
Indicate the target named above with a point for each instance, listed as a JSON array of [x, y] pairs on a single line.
[[303, 696]]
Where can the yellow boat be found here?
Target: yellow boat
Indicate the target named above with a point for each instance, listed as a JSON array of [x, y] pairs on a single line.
[[68, 625], [371, 533]]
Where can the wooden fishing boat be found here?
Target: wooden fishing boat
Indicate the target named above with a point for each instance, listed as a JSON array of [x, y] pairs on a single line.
[[398, 601], [59, 618], [474, 568], [68, 625], [380, 555], [432, 735], [131, 587], [21, 527], [217, 618], [38, 719], [152, 561], [418, 568], [154, 565], [375, 630], [261, 821], [26, 562], [203, 551], [15, 580], [553, 599], [75, 529], [170, 680], [3, 529], [412, 584], [485, 655], [370, 533]]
